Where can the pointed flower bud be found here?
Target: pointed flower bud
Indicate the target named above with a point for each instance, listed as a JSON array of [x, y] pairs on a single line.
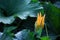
[[40, 21]]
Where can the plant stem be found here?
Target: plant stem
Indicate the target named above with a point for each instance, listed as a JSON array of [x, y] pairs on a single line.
[[46, 30]]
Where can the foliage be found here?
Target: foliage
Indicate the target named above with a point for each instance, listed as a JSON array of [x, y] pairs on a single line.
[[52, 16], [7, 35], [11, 10], [45, 38]]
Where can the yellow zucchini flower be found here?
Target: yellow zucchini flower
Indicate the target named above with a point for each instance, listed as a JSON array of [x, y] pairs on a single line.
[[40, 21]]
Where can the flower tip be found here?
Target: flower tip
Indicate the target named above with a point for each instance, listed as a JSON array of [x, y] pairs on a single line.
[[44, 16]]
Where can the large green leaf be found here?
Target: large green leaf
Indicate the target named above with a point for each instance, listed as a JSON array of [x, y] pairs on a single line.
[[5, 20], [13, 5], [19, 8], [52, 16]]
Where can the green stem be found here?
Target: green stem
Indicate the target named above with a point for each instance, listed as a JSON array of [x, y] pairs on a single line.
[[46, 30]]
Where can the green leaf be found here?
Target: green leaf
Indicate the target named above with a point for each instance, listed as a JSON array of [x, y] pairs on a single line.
[[6, 20], [52, 16], [45, 38], [12, 5], [31, 36], [25, 34], [21, 9], [7, 35], [9, 29], [34, 1]]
